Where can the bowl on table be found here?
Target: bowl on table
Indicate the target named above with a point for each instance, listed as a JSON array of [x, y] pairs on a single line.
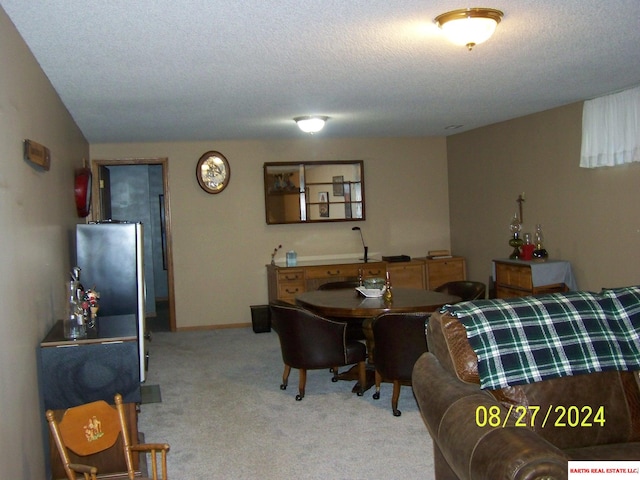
[[372, 287], [373, 283]]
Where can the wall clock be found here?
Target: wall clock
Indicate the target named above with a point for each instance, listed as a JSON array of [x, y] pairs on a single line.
[[82, 191], [213, 172]]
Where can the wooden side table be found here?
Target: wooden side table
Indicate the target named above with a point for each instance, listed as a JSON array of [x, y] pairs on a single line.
[[519, 278]]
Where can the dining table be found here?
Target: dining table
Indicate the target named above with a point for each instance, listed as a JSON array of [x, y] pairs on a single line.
[[349, 305]]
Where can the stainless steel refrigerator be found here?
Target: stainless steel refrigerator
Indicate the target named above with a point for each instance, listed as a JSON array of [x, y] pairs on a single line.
[[111, 258]]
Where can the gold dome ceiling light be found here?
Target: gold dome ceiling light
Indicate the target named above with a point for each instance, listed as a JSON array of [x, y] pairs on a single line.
[[469, 26]]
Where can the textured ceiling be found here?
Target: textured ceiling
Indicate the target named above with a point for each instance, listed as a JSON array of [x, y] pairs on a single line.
[[153, 70]]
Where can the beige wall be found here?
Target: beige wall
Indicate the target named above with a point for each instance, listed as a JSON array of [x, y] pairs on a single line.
[[222, 243], [590, 217], [37, 212]]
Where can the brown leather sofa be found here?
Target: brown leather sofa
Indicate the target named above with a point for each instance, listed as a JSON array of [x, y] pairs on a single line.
[[475, 437]]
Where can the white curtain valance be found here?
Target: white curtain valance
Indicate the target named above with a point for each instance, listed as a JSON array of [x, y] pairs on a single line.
[[611, 130]]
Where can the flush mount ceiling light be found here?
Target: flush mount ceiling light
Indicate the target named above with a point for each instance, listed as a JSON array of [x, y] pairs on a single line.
[[469, 26], [311, 124]]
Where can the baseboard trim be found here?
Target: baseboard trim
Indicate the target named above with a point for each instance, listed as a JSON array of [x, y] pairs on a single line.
[[213, 327]]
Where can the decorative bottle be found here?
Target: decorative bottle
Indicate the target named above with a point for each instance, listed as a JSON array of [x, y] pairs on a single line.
[[75, 276], [515, 241], [73, 323]]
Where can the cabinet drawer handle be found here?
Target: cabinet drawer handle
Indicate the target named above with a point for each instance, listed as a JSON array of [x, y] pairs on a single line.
[[377, 272], [287, 277], [332, 274], [291, 291]]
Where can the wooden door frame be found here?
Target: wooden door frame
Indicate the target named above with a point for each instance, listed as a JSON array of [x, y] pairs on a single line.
[[96, 213]]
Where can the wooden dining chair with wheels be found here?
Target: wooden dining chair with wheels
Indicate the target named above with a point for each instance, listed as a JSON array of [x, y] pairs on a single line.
[[339, 285], [354, 325], [97, 426], [465, 289], [310, 342], [399, 340]]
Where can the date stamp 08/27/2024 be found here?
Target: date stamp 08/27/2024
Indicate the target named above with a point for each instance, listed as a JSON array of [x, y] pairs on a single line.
[[561, 416], [532, 416]]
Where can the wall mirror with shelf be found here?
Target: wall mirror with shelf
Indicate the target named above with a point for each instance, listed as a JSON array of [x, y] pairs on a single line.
[[306, 192]]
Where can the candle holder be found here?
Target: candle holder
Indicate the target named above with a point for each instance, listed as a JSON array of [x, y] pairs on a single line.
[[528, 247], [388, 293]]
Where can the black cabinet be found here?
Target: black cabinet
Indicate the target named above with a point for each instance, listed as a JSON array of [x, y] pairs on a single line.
[[96, 368], [73, 372]]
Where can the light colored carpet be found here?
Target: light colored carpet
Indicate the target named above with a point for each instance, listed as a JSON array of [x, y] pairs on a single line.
[[225, 417]]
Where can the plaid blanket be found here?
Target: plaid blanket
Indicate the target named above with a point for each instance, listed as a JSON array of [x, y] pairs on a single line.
[[529, 339]]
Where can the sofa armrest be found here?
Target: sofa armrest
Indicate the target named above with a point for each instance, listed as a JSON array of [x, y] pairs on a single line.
[[448, 407]]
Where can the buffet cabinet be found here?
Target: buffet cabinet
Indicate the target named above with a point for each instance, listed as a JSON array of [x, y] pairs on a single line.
[[439, 271], [285, 283], [407, 274]]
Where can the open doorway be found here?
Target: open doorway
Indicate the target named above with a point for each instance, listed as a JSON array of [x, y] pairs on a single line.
[[138, 190]]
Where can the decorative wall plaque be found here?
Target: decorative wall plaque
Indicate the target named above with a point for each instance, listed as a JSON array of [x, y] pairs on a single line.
[[37, 154]]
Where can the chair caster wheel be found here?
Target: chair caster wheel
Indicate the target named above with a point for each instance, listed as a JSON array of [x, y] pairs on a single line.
[[334, 379], [298, 397], [283, 387], [376, 396], [360, 393], [397, 413]]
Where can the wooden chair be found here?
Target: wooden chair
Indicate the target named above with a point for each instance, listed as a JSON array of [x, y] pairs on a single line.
[[354, 326], [399, 340], [94, 427], [309, 341], [465, 289], [339, 285]]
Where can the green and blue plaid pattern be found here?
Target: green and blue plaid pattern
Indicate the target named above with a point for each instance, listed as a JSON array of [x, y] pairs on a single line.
[[529, 339]]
